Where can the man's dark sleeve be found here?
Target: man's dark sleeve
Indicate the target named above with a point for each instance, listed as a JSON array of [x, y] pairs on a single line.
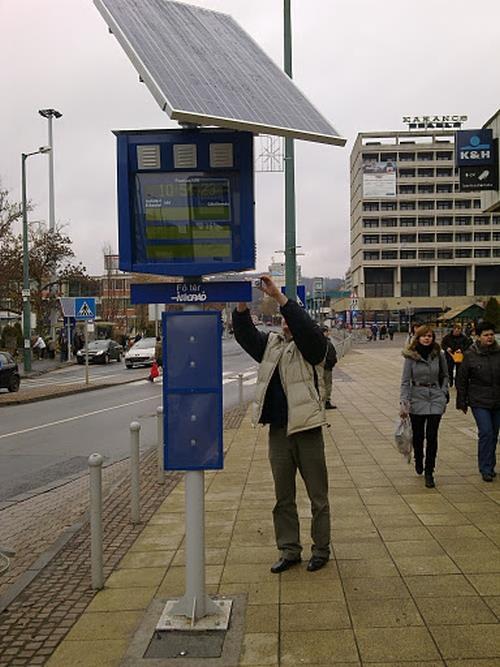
[[331, 355], [307, 335], [445, 343], [248, 336], [462, 383]]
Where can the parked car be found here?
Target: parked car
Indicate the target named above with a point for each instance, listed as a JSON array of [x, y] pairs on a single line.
[[9, 372], [101, 352], [141, 353]]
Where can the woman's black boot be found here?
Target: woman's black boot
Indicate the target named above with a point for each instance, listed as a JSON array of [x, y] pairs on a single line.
[[429, 480]]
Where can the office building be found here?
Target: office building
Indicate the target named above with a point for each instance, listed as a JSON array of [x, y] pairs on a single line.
[[418, 243]]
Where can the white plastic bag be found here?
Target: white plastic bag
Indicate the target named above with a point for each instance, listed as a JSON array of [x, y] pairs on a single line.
[[403, 437]]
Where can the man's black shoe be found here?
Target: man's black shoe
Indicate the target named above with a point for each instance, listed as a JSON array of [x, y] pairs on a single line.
[[330, 406], [419, 468], [429, 481], [284, 564], [487, 477], [316, 563]]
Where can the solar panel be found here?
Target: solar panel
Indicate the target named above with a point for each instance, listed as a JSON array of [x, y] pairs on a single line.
[[202, 68]]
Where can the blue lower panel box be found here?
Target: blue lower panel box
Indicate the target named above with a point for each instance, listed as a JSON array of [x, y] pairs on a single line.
[[193, 431]]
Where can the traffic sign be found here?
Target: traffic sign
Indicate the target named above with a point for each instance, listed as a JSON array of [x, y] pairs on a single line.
[[85, 308], [301, 294]]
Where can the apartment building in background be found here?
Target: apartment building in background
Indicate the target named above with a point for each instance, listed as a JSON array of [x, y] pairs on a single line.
[[417, 241]]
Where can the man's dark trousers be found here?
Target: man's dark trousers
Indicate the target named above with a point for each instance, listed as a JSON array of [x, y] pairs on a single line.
[[304, 451]]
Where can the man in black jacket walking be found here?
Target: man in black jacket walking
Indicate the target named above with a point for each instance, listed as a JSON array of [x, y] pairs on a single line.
[[478, 387], [290, 398], [454, 343]]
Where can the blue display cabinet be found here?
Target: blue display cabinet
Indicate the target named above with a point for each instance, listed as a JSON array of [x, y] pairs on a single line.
[[185, 201]]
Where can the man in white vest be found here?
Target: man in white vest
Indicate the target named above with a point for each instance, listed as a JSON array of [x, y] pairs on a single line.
[[290, 398]]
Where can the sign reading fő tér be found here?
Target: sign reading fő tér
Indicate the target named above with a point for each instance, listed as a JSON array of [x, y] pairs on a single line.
[[435, 122]]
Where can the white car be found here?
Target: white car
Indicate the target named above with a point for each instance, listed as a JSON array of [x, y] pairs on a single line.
[[141, 353]]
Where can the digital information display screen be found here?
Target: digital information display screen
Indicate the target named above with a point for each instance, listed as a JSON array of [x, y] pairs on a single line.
[[186, 217]]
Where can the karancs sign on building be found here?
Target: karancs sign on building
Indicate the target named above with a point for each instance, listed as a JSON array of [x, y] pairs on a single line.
[[453, 121]]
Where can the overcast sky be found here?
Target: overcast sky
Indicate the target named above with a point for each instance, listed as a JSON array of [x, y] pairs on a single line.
[[363, 64]]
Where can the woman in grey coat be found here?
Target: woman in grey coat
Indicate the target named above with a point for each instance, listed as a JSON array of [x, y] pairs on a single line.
[[424, 395]]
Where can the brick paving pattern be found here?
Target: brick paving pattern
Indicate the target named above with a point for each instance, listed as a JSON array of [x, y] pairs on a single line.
[[39, 618]]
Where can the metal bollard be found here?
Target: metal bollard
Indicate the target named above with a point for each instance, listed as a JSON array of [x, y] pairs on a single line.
[[159, 433], [240, 390], [96, 557], [135, 482]]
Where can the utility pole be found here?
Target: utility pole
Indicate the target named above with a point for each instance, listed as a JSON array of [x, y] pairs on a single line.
[[290, 234]]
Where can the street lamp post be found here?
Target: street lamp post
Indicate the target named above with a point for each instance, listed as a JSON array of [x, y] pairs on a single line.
[[26, 265], [49, 114]]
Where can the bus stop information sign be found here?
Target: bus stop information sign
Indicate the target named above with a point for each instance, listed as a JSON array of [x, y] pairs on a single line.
[[185, 201]]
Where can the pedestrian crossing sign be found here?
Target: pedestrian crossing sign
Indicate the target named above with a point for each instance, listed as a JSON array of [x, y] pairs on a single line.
[[85, 308]]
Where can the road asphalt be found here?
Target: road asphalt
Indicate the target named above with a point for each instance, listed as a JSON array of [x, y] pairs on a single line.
[[414, 577]]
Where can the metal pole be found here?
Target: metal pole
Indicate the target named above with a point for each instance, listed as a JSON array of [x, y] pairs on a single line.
[[290, 235], [135, 482], [159, 433], [86, 352], [96, 557], [52, 218], [69, 339], [26, 273], [240, 390]]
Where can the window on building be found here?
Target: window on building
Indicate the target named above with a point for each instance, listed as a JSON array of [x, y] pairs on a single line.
[[370, 206], [495, 219], [445, 254], [369, 157], [407, 190], [444, 204], [496, 236], [426, 205], [370, 238], [444, 221], [371, 255], [408, 238], [426, 254], [389, 206], [425, 156], [389, 222], [389, 254], [463, 220], [407, 205], [452, 281], [487, 280], [426, 222], [444, 187], [426, 238], [444, 172], [444, 238], [407, 222], [406, 157], [463, 253], [482, 236], [426, 172], [482, 252], [463, 203], [415, 281], [476, 203], [408, 254], [426, 188], [379, 282], [481, 220], [370, 222], [389, 238], [388, 157], [463, 237], [496, 252], [407, 173], [444, 155]]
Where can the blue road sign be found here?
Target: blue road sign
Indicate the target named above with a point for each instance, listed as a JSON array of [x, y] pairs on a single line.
[[193, 292], [85, 308], [301, 295]]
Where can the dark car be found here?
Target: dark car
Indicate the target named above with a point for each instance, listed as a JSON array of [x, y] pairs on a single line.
[[101, 352], [9, 372]]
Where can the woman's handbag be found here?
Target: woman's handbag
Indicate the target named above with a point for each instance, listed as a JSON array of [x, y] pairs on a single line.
[[458, 357], [403, 437]]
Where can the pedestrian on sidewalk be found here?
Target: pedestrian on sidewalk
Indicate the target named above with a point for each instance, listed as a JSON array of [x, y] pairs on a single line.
[[374, 330], [424, 395], [478, 387], [290, 398], [330, 362], [39, 347], [158, 362], [455, 344]]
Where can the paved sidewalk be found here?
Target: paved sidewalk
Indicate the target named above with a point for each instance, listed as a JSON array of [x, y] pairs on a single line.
[[415, 574]]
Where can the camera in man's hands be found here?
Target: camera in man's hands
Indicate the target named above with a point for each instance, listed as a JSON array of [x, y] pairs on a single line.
[[257, 282]]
